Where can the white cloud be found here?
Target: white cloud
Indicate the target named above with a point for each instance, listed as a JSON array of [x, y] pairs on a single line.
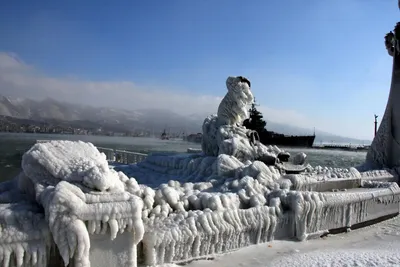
[[21, 80], [10, 62]]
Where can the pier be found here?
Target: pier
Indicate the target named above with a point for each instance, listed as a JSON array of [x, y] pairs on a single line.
[[343, 147]]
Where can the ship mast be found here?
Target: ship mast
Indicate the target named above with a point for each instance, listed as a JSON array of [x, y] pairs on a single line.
[[255, 103]]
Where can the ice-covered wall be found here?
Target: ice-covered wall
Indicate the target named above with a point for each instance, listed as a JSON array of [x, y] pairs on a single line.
[[385, 148]]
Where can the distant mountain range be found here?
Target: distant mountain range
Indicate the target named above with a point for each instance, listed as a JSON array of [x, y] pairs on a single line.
[[128, 120]]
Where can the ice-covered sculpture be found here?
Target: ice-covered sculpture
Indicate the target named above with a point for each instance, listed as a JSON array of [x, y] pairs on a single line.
[[232, 111], [80, 196], [223, 133], [385, 148]]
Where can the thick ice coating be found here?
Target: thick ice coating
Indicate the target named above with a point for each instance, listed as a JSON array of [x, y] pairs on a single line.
[[66, 189], [75, 162], [206, 202], [67, 201]]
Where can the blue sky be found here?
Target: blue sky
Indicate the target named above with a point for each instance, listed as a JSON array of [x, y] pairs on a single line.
[[314, 63]]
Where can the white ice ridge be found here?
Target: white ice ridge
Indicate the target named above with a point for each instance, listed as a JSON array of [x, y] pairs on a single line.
[[67, 202]]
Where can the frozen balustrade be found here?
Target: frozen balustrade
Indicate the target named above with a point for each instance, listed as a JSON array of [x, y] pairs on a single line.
[[116, 155]]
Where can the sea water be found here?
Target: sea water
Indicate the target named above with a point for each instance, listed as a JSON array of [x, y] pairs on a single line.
[[13, 145]]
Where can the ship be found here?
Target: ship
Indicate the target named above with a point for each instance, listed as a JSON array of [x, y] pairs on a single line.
[[255, 122], [194, 138], [272, 138], [164, 135]]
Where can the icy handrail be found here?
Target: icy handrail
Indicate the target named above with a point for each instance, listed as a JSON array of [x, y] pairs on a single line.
[[116, 155]]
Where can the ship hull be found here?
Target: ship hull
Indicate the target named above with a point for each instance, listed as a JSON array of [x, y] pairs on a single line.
[[290, 141]]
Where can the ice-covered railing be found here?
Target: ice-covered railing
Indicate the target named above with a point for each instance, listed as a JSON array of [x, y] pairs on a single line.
[[116, 155], [122, 156], [109, 152]]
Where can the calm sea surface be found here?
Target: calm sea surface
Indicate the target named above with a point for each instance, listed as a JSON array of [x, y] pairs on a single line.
[[12, 147]]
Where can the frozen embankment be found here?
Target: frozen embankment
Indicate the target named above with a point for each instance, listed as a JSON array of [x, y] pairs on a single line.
[[68, 207]]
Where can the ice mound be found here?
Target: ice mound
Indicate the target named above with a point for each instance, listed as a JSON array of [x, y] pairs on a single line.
[[232, 140], [74, 162]]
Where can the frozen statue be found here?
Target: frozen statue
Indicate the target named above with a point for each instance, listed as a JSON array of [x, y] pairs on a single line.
[[385, 148], [223, 133], [233, 109]]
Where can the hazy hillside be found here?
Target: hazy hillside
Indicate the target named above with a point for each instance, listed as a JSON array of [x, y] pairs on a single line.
[[151, 119], [147, 119]]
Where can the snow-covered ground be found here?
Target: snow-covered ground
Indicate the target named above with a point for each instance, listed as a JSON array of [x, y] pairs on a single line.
[[377, 245]]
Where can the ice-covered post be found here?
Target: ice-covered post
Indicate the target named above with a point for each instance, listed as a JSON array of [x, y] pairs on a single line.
[[385, 148]]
